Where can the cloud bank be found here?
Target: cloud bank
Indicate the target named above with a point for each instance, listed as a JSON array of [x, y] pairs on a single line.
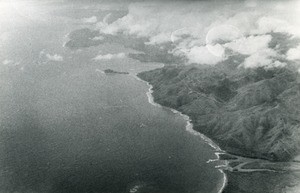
[[207, 32]]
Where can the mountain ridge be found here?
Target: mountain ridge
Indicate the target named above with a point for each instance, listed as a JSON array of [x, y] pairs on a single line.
[[249, 112]]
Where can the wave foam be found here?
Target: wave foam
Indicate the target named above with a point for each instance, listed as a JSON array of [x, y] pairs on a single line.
[[189, 128]]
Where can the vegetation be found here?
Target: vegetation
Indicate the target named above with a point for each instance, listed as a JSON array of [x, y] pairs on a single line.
[[249, 112]]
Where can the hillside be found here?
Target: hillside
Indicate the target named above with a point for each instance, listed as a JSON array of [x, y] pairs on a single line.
[[250, 112]]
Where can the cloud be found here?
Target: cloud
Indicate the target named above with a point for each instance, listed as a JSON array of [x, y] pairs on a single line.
[[294, 53], [202, 31], [11, 63], [159, 39], [262, 58], [110, 56], [7, 62], [98, 38], [55, 57], [249, 45], [44, 57], [92, 19], [202, 55], [270, 24], [104, 22]]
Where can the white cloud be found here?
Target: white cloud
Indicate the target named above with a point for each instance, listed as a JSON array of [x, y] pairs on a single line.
[[263, 58], [162, 18], [104, 23], [44, 57], [92, 19], [202, 55], [179, 34], [155, 19], [250, 45], [224, 32], [159, 39], [201, 30], [55, 57], [277, 63], [294, 53], [10, 63], [98, 38], [7, 62], [271, 24], [110, 56]]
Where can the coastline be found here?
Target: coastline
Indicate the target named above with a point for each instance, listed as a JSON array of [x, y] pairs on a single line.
[[189, 128]]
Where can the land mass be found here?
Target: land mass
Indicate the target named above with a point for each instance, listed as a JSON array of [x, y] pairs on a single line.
[[252, 114], [248, 112], [83, 38], [110, 71]]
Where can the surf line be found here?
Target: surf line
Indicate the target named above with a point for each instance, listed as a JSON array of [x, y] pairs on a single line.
[[189, 128]]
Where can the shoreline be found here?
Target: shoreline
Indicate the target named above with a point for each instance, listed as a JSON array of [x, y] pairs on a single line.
[[189, 128]]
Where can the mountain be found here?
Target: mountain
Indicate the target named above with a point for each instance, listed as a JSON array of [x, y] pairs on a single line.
[[250, 112]]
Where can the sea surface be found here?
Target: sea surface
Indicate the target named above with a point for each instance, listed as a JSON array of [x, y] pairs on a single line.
[[65, 126]]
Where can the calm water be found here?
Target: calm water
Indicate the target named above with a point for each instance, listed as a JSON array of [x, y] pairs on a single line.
[[67, 127]]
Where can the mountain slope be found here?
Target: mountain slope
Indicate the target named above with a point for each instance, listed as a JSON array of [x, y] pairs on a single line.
[[251, 112]]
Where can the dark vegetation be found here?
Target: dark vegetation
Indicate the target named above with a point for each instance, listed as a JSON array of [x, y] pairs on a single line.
[[249, 112], [110, 71]]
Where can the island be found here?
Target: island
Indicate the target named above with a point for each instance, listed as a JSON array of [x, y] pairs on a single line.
[[110, 71]]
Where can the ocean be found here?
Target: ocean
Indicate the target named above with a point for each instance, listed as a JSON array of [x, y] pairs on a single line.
[[68, 127]]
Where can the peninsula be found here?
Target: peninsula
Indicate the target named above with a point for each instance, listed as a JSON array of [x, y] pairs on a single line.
[[110, 71]]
